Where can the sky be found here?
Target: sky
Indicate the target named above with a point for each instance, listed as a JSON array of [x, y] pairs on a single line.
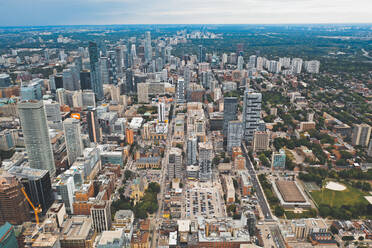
[[95, 12]]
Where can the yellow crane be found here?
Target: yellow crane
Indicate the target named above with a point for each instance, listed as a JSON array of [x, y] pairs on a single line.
[[37, 209]]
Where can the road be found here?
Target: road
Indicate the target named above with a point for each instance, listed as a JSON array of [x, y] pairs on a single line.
[[265, 208], [158, 217]]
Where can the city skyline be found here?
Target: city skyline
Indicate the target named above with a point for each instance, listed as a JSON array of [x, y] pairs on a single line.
[[105, 12]]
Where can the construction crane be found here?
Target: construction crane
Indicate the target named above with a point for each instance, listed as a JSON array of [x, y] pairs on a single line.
[[37, 209]]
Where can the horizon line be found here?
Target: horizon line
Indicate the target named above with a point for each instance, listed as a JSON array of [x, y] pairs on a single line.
[[193, 24]]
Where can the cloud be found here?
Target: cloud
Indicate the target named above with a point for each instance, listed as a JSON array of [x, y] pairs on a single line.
[[51, 12]]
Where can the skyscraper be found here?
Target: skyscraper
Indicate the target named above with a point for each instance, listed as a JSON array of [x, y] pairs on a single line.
[[129, 86], [201, 54], [74, 143], [13, 205], [93, 127], [230, 110], [148, 47], [180, 95], [36, 135], [37, 185], [296, 65], [205, 161], [175, 163], [101, 216], [234, 135], [161, 112], [251, 113], [192, 149], [94, 71], [113, 67], [240, 63]]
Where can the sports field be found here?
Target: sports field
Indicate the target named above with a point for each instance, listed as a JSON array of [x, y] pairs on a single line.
[[333, 198]]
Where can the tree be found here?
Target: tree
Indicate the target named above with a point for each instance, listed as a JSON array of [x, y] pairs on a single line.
[[154, 187], [279, 211]]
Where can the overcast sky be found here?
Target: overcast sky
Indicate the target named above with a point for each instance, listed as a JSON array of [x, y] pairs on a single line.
[[59, 12]]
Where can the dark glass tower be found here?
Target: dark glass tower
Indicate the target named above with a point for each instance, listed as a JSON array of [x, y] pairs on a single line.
[[230, 109], [94, 71]]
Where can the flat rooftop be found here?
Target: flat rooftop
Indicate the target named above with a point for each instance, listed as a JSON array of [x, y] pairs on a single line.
[[290, 191]]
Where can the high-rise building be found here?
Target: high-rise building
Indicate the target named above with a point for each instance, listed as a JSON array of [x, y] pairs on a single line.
[[296, 65], [7, 236], [36, 135], [180, 95], [103, 70], [37, 185], [259, 63], [65, 188], [101, 216], [13, 204], [93, 126], [113, 67], [129, 135], [175, 167], [74, 143], [85, 80], [129, 85], [252, 61], [312, 66], [143, 93], [361, 134], [201, 54], [240, 63], [96, 83], [148, 47], [230, 111], [161, 112], [205, 161], [251, 113], [278, 160], [192, 149], [234, 135], [31, 91], [187, 77], [68, 82]]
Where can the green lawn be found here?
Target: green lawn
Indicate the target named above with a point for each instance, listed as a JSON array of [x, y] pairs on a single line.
[[350, 196]]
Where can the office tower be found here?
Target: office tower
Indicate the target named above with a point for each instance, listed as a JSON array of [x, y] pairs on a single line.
[[192, 149], [89, 99], [148, 47], [96, 83], [7, 236], [205, 161], [113, 67], [240, 63], [201, 54], [261, 141], [58, 80], [296, 65], [180, 95], [75, 73], [230, 111], [164, 75], [31, 91], [52, 84], [101, 216], [68, 82], [93, 127], [159, 64], [129, 81], [312, 66], [36, 135], [53, 113], [13, 204], [4, 80], [252, 61], [251, 113], [278, 160], [37, 185], [175, 163], [161, 112], [233, 58], [77, 99], [234, 135], [143, 93], [65, 188], [85, 81], [74, 143], [361, 134], [187, 77], [103, 70], [61, 96], [259, 63], [138, 78]]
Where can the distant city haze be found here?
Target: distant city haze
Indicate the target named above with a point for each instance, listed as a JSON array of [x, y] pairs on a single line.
[[95, 12]]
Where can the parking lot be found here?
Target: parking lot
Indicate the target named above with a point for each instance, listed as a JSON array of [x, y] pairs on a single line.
[[203, 201]]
